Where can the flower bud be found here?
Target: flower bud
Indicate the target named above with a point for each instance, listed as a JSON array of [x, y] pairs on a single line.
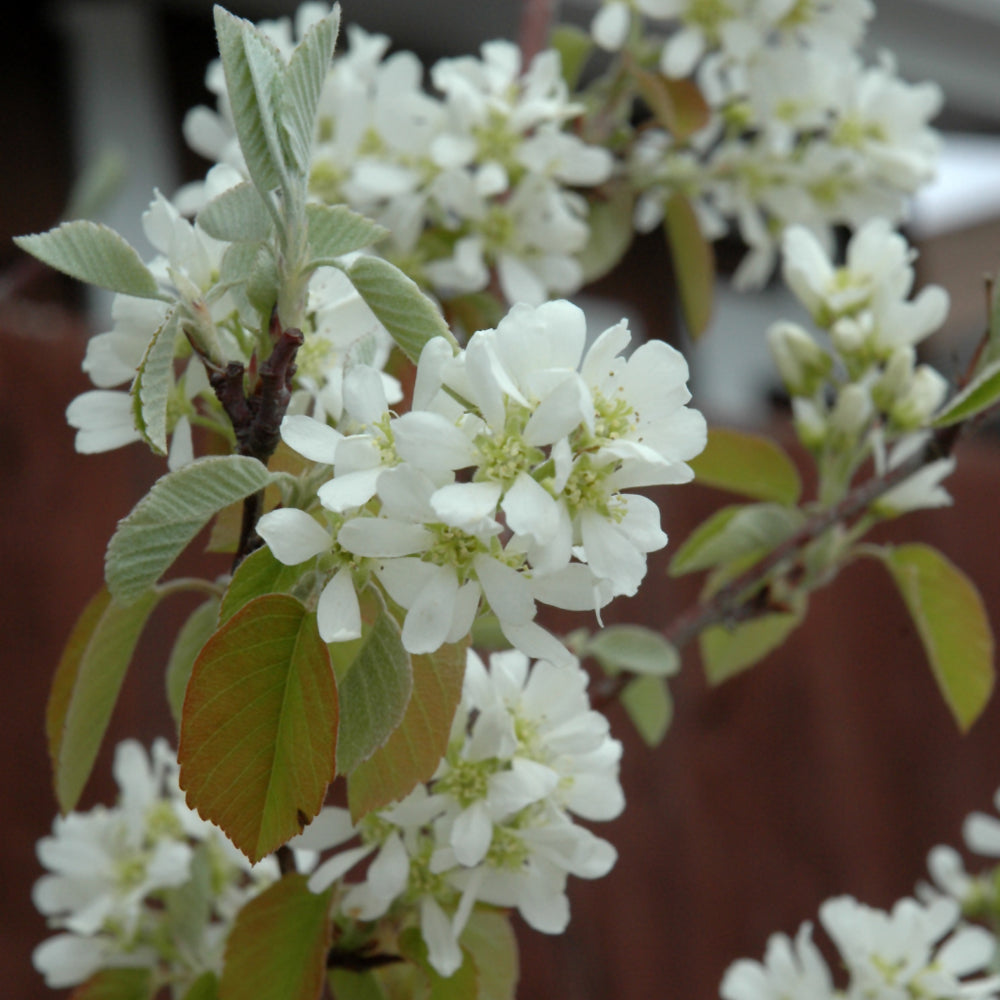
[[851, 412], [803, 364], [925, 393], [895, 379], [850, 334], [810, 423]]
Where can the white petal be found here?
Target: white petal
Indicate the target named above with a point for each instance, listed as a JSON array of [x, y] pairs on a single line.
[[311, 438], [380, 538], [471, 834], [428, 622], [338, 613], [443, 951], [292, 535], [507, 590], [337, 866]]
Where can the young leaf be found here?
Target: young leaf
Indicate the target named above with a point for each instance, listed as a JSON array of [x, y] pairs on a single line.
[[748, 464], [335, 230], [634, 648], [650, 707], [205, 987], [194, 633], [489, 938], [348, 985], [743, 531], [414, 750], [260, 573], [979, 395], [177, 507], [954, 628], [693, 260], [91, 252], [410, 316], [86, 685], [574, 46], [374, 694], [153, 383], [259, 725], [237, 215], [610, 222], [304, 79], [116, 984], [727, 651], [253, 71], [462, 984], [277, 947], [677, 104]]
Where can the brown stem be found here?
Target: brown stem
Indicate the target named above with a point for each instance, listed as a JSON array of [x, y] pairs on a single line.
[[536, 22]]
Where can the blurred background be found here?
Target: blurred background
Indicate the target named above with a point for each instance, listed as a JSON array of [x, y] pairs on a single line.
[[831, 768]]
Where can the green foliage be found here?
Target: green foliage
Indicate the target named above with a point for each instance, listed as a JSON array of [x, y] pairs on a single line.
[[742, 532], [348, 985], [574, 46], [374, 694], [335, 230], [676, 104], [86, 685], [205, 987], [650, 707], [302, 83], [258, 574], [634, 648], [728, 650], [177, 507], [189, 905], [415, 748], [748, 464], [277, 947], [410, 316], [259, 725], [91, 252], [237, 215], [693, 260], [610, 222], [253, 69], [489, 938], [982, 393], [460, 985], [116, 984], [194, 633], [153, 383], [954, 628]]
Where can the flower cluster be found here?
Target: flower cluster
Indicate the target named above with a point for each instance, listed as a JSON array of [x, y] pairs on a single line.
[[480, 175], [125, 883], [505, 480], [201, 303], [917, 950], [800, 130], [866, 390], [495, 824]]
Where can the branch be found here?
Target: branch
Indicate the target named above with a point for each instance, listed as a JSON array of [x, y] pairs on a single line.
[[536, 22]]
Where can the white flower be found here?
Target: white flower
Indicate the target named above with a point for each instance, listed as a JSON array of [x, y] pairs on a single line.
[[791, 970]]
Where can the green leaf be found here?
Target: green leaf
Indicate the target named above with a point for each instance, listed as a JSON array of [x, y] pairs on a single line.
[[374, 694], [748, 464], [951, 620], [650, 707], [263, 280], [980, 394], [260, 573], [410, 316], [489, 938], [237, 215], [86, 685], [634, 648], [91, 252], [205, 987], [727, 651], [259, 725], [335, 230], [348, 985], [153, 383], [677, 104], [740, 532], [116, 984], [194, 633], [277, 947], [179, 505], [253, 69], [415, 748], [307, 70], [693, 260], [189, 906], [611, 229], [574, 46], [460, 985]]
